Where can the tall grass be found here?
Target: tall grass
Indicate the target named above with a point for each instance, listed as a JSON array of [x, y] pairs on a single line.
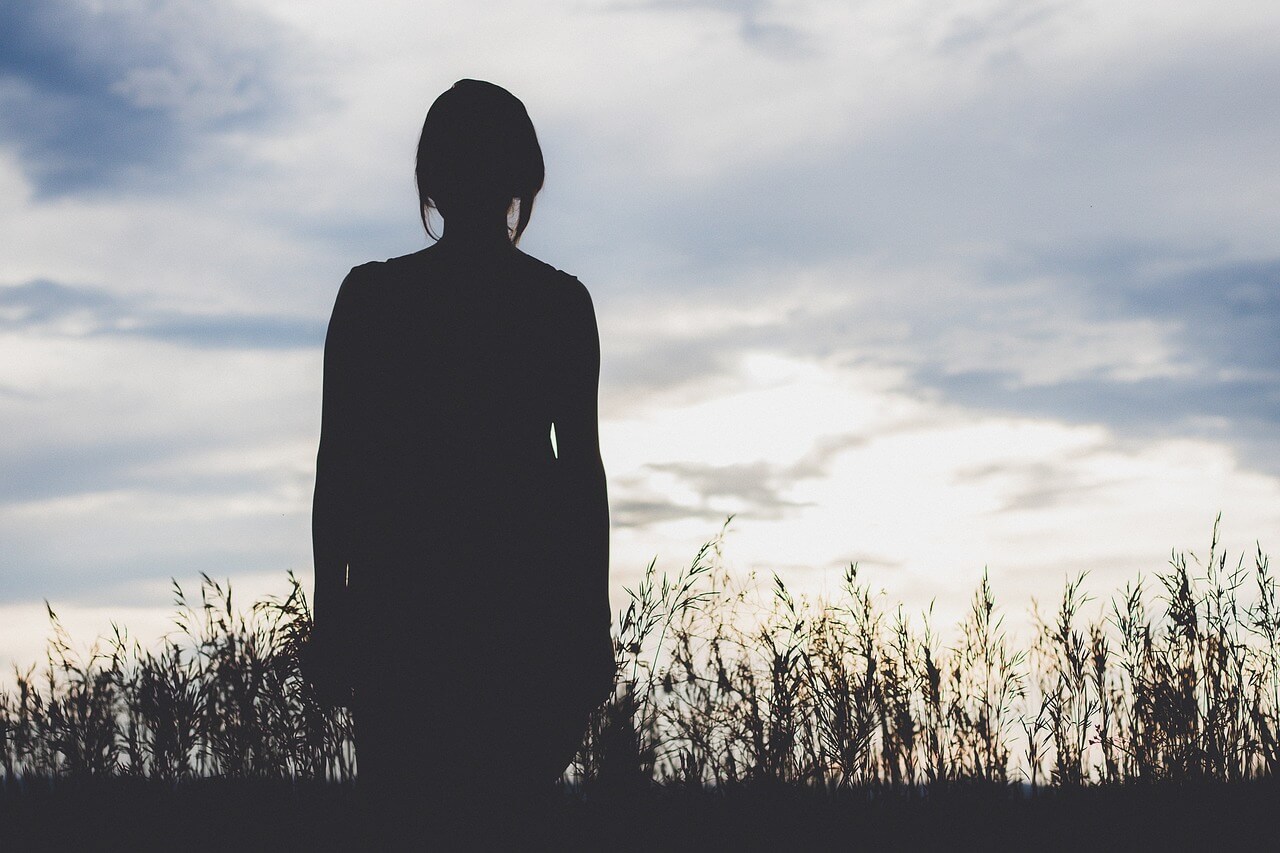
[[726, 681], [221, 696]]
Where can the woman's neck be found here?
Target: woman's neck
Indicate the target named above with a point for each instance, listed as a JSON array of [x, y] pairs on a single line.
[[471, 230]]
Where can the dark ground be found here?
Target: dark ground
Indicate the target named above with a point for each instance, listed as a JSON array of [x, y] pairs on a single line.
[[122, 814]]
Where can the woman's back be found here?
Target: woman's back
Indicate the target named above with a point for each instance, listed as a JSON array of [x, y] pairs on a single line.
[[455, 363]]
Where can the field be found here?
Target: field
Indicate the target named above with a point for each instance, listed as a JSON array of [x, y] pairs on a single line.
[[215, 815], [742, 717]]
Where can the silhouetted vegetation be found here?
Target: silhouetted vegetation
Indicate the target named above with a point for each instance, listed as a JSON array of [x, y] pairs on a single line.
[[729, 685], [723, 683]]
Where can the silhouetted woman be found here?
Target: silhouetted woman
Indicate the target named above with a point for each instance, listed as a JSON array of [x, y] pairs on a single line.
[[461, 553]]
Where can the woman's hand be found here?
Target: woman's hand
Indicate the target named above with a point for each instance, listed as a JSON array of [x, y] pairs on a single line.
[[326, 663], [602, 669]]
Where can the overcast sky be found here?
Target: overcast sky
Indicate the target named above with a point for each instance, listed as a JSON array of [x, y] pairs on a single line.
[[930, 286]]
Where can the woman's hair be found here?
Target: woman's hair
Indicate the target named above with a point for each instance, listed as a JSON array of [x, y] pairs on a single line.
[[478, 148]]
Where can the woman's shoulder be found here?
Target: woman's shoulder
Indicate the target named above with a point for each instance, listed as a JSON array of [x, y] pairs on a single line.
[[564, 285], [363, 280], [374, 270]]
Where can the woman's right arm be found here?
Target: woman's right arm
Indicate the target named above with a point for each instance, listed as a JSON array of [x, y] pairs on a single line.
[[331, 511]]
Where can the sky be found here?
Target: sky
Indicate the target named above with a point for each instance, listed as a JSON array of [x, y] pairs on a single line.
[[933, 287]]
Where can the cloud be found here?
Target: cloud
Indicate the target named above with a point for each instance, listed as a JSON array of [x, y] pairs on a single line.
[[100, 96], [995, 28], [759, 24], [756, 489], [1152, 341], [54, 471], [1229, 316], [1245, 413], [633, 512], [757, 486], [167, 467], [1216, 375], [49, 308], [1056, 242], [1037, 157], [1033, 485]]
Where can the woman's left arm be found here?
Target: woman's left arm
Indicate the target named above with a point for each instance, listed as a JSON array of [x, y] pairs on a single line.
[[587, 500]]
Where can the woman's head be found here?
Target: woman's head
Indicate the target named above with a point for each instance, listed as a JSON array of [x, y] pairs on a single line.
[[478, 152]]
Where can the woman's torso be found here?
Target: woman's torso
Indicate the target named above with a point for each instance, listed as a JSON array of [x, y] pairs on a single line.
[[455, 492]]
